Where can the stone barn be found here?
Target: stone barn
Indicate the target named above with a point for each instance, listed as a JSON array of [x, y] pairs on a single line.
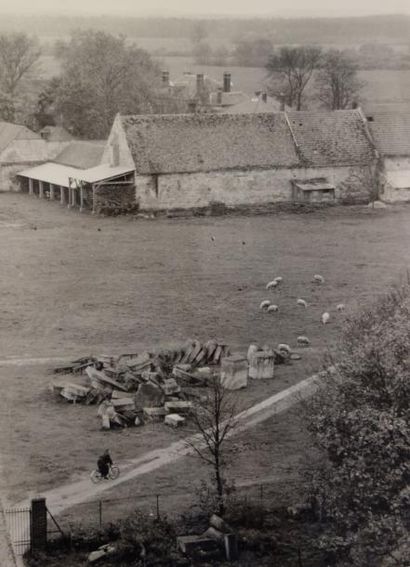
[[197, 160], [391, 134], [19, 148]]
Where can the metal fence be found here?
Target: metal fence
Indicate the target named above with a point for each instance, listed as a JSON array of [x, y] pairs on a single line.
[[99, 513]]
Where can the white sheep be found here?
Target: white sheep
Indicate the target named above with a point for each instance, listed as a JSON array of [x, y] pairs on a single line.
[[285, 347], [340, 307], [303, 341], [278, 279], [318, 279], [273, 308], [264, 303], [272, 284], [302, 302], [325, 318]]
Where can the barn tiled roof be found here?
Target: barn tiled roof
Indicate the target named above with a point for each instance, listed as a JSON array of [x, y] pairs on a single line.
[[331, 138], [183, 143], [391, 132], [82, 154], [10, 132]]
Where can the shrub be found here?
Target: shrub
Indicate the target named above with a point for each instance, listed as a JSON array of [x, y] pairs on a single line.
[[360, 422]]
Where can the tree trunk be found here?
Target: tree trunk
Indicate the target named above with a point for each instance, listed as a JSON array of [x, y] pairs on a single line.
[[219, 486]]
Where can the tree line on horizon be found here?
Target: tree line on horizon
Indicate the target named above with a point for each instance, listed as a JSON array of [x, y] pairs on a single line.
[[103, 74]]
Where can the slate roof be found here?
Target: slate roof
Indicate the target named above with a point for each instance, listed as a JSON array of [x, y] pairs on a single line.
[[183, 143], [82, 154], [391, 132], [56, 134], [10, 132], [228, 99], [331, 138], [254, 105]]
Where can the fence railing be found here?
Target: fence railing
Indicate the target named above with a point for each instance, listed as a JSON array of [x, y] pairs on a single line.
[[97, 513]]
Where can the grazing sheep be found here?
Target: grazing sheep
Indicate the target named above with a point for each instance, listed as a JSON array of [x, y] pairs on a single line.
[[318, 279], [272, 284], [265, 303], [272, 308], [325, 318], [285, 347], [340, 307], [303, 341], [302, 302]]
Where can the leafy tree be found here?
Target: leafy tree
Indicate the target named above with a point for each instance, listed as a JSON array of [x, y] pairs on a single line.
[[18, 54], [214, 420], [294, 66], [102, 75], [361, 423], [337, 82]]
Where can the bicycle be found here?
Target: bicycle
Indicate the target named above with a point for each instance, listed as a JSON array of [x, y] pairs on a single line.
[[113, 473]]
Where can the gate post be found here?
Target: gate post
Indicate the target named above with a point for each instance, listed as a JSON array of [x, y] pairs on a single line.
[[38, 525]]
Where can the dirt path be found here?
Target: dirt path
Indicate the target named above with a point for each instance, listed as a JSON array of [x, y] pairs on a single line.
[[64, 497]]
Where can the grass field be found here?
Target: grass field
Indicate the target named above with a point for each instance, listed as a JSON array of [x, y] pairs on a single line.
[[74, 284]]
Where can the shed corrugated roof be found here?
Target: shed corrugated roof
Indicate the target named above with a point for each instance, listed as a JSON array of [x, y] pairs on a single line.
[[185, 143], [10, 132], [58, 174], [331, 138], [82, 154], [391, 132]]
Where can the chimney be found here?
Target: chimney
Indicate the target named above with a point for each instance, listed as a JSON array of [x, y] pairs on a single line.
[[282, 102], [165, 78], [264, 97], [192, 104], [200, 84], [219, 96], [227, 82]]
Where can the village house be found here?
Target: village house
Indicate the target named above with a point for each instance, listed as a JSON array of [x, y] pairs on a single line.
[[391, 133], [21, 148]]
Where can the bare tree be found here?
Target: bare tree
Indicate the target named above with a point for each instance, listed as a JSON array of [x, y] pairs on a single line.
[[18, 54], [337, 82], [295, 67], [214, 419]]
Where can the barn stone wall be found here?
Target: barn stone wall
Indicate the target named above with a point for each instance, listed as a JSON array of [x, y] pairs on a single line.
[[395, 179], [241, 188]]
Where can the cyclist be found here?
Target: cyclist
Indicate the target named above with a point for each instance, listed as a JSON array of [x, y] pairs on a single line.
[[104, 463]]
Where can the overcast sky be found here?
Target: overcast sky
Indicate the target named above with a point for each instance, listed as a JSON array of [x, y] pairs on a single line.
[[213, 7]]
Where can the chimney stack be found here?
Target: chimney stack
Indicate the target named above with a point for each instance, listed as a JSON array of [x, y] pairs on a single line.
[[219, 95], [282, 102], [192, 106], [165, 78], [227, 82], [200, 84]]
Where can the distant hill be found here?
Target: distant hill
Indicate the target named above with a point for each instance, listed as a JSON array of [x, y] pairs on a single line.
[[394, 29]]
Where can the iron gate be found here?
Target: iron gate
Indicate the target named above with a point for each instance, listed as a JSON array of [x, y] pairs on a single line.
[[19, 527]]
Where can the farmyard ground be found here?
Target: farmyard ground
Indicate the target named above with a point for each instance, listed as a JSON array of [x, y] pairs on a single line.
[[73, 285]]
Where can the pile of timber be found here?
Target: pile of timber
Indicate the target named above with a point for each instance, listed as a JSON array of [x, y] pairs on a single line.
[[133, 388]]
